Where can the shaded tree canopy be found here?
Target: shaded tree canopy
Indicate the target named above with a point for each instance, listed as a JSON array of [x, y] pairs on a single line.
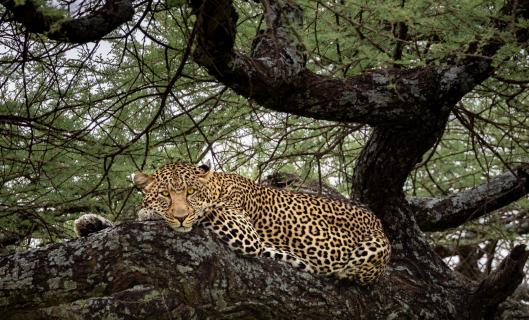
[[417, 109]]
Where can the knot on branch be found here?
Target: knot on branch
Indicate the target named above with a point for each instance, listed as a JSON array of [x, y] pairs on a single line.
[[280, 44], [500, 284], [56, 25]]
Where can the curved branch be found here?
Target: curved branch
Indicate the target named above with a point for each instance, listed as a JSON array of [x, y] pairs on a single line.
[[441, 214], [274, 74], [38, 19]]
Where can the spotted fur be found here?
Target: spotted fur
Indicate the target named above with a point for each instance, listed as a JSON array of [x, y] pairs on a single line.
[[312, 233]]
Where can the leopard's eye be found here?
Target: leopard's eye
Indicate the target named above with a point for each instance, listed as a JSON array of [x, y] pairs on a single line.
[[165, 193], [190, 191]]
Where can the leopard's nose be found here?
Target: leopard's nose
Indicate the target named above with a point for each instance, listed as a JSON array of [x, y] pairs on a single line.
[[181, 219]]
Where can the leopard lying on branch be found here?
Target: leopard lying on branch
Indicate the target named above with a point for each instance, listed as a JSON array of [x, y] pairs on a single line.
[[312, 233]]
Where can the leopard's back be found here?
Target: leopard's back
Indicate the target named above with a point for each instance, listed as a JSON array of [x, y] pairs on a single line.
[[335, 237]]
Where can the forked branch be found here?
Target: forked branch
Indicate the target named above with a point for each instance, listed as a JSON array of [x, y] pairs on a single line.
[[274, 73]]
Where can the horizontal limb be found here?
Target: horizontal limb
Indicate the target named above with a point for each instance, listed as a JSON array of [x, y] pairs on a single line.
[[437, 214]]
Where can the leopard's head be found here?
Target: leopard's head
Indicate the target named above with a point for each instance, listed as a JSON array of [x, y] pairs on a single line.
[[177, 192]]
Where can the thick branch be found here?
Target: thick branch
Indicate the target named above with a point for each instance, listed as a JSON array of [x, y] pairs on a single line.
[[274, 74], [145, 270], [441, 214], [38, 19]]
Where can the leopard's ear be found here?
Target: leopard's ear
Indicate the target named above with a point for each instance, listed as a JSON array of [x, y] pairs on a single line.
[[206, 168], [142, 181]]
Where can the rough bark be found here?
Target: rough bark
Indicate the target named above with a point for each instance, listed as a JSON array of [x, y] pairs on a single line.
[[146, 271], [437, 214]]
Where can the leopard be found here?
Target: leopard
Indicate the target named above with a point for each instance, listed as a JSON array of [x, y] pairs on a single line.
[[312, 233]]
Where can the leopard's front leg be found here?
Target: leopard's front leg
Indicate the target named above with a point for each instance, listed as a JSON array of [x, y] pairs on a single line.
[[236, 230]]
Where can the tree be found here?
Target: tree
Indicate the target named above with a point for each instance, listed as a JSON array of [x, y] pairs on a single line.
[[426, 73]]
